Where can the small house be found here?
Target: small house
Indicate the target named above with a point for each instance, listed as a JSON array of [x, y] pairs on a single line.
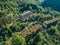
[[24, 15], [49, 23]]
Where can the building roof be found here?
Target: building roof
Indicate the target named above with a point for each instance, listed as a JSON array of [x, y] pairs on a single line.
[[33, 29], [50, 21], [25, 13]]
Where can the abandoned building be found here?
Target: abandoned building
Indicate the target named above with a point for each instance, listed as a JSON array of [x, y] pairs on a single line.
[[31, 30], [24, 15], [49, 23], [48, 18]]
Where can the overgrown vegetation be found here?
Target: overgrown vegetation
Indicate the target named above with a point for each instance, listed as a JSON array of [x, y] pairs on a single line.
[[10, 27]]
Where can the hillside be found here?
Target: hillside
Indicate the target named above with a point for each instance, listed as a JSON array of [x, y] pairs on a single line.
[[22, 22]]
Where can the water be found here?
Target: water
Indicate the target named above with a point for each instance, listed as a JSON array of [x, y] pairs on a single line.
[[54, 4]]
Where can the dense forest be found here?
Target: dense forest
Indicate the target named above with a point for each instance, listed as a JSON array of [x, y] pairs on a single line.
[[11, 26]]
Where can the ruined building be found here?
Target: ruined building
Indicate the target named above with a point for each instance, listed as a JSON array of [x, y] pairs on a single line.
[[31, 30], [49, 23], [24, 15]]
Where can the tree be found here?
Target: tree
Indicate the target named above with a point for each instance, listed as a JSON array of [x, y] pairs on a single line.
[[3, 43], [18, 40], [5, 32]]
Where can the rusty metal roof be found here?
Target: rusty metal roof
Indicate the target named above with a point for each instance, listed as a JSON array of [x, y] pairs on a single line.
[[29, 31]]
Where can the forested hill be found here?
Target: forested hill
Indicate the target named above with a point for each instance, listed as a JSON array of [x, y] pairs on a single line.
[[11, 24], [15, 6], [8, 6], [12, 6]]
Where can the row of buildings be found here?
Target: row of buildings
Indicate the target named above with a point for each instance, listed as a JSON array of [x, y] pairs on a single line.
[[45, 25]]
